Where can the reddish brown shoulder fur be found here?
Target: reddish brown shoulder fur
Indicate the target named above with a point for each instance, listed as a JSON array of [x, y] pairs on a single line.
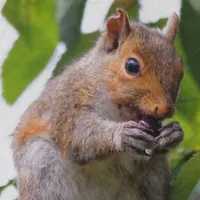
[[33, 127]]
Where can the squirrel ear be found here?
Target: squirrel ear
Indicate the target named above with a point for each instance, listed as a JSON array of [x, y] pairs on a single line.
[[172, 27], [118, 28]]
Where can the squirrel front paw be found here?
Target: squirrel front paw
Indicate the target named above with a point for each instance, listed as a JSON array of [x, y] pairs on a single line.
[[135, 140], [170, 136]]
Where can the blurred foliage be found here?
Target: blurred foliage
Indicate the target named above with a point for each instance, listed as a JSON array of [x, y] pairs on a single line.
[[38, 36], [10, 182], [40, 29], [188, 178], [83, 44], [69, 20], [190, 20], [69, 25]]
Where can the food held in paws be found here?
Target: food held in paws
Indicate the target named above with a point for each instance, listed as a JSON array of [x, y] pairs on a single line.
[[151, 125]]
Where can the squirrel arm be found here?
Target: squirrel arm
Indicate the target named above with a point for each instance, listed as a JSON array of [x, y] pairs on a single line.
[[97, 137]]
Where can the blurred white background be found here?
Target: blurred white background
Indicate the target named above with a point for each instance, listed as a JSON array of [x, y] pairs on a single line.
[[9, 114]]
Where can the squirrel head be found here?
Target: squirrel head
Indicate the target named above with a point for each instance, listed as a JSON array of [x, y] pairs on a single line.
[[142, 67]]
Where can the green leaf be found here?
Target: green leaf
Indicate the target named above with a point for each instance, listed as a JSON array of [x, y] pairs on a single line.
[[189, 34], [187, 114], [69, 15], [130, 6], [187, 179], [11, 182], [83, 44], [187, 45], [177, 161], [159, 24], [36, 24]]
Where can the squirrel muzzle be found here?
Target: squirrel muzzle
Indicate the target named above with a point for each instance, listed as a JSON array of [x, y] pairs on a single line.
[[161, 110]]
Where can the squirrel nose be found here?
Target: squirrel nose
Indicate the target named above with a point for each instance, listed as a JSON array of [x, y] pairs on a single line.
[[162, 110]]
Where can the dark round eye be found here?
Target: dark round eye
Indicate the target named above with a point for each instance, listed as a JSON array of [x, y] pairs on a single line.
[[132, 66]]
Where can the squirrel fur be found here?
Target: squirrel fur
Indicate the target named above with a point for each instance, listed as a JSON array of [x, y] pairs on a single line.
[[81, 140]]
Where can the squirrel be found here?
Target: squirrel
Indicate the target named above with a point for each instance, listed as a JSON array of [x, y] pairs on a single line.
[[96, 131]]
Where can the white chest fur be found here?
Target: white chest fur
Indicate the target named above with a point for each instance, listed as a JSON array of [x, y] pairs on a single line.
[[112, 178]]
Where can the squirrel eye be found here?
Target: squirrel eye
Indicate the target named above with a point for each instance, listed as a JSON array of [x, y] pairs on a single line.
[[132, 66]]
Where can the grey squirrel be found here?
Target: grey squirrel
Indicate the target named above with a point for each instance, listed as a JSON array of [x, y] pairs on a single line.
[[96, 131]]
